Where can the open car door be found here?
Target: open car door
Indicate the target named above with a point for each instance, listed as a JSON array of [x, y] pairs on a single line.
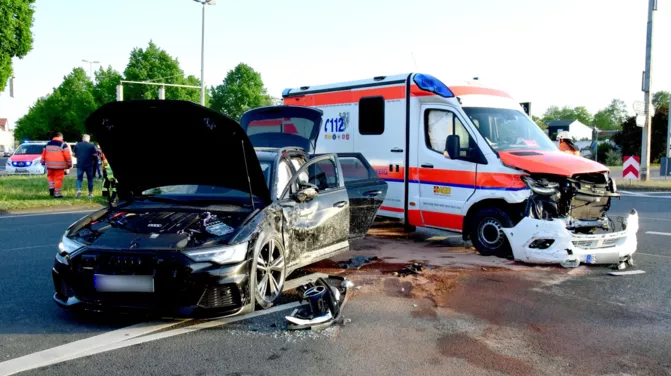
[[365, 189]]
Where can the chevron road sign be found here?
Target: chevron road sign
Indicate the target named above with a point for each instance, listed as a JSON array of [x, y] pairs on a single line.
[[631, 167]]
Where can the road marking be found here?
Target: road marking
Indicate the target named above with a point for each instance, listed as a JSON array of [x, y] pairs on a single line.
[[56, 354], [652, 254], [43, 214], [627, 272], [656, 219], [31, 247], [91, 346], [658, 233]]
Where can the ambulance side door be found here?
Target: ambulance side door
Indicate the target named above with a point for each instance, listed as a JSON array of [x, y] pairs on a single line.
[[445, 183]]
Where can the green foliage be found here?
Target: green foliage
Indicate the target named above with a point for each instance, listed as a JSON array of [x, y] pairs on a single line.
[[612, 116], [629, 138], [64, 110], [613, 158], [16, 39], [104, 90], [241, 90], [579, 113], [155, 65], [602, 151], [539, 121], [660, 99]]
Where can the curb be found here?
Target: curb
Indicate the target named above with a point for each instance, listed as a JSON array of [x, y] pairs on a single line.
[[51, 209]]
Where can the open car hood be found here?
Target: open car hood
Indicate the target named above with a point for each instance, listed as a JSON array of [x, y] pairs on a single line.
[[157, 143], [283, 126], [550, 162]]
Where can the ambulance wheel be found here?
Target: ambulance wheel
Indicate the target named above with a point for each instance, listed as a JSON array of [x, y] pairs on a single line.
[[487, 232]]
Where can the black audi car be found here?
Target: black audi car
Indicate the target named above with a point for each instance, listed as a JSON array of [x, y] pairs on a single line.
[[217, 231]]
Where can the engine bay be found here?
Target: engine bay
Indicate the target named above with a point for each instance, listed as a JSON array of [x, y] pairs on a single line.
[[169, 229], [582, 201]]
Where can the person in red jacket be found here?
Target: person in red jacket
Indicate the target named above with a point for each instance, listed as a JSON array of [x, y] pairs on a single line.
[[56, 157]]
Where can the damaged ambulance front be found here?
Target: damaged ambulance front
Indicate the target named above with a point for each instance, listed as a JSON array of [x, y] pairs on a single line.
[[565, 218]]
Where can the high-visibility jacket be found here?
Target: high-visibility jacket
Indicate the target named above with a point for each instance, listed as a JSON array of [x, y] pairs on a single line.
[[568, 147], [56, 155]]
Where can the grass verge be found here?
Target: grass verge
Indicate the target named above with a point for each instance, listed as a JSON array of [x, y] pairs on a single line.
[[651, 185], [31, 192]]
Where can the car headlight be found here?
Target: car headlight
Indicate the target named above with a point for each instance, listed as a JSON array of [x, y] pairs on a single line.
[[220, 255], [67, 246], [37, 161], [541, 189]]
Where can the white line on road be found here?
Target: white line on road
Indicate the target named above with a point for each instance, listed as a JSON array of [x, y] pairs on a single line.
[[43, 214], [119, 339], [31, 247], [658, 233], [656, 219], [651, 254]]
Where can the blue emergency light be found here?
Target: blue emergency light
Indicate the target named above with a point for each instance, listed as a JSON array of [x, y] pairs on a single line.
[[432, 85]]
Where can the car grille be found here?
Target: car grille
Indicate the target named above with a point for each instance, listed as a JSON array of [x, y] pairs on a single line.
[[221, 297], [63, 290]]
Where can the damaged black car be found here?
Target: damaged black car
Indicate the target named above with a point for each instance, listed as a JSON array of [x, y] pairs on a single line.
[[217, 231]]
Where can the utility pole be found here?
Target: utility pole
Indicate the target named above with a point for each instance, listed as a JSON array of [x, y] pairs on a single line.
[[202, 51], [647, 129]]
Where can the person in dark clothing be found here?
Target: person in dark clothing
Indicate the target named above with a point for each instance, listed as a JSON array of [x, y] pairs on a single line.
[[86, 154], [98, 173]]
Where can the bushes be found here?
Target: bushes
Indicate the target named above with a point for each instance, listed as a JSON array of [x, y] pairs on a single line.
[[613, 158]]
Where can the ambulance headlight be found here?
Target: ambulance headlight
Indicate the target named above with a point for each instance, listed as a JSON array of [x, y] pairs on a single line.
[[546, 189]]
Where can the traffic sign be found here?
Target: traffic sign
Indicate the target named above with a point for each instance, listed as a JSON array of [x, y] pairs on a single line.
[[639, 107], [527, 107], [631, 167], [640, 120]]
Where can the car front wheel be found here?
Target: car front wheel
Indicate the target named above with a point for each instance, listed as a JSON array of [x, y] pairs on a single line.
[[268, 273], [487, 232]]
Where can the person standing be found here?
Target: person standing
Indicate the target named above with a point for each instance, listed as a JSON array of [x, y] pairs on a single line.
[[98, 163], [56, 157], [109, 183], [86, 154]]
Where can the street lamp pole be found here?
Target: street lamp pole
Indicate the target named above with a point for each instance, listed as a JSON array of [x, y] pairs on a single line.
[[91, 66], [202, 51]]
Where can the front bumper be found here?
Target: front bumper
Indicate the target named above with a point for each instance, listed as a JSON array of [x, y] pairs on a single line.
[[181, 287], [569, 249], [35, 169]]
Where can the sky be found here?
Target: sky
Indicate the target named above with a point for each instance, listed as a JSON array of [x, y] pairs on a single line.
[[548, 52]]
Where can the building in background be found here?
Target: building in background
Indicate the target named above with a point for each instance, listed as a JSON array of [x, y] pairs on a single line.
[[578, 130], [6, 138]]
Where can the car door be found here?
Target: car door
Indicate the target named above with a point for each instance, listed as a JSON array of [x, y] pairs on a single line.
[[446, 183], [322, 222], [365, 190]]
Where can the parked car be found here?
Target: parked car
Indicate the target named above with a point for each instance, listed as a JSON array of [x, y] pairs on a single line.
[[26, 160], [222, 234]]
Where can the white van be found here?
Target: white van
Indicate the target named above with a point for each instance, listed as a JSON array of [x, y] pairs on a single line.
[[467, 158]]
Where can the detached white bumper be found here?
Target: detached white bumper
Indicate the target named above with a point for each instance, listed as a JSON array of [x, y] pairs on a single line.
[[530, 238]]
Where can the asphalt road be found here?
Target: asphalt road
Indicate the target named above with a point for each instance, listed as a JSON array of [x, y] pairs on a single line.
[[544, 320]]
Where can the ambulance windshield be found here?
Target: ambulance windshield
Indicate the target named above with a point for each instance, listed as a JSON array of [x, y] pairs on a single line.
[[508, 129]]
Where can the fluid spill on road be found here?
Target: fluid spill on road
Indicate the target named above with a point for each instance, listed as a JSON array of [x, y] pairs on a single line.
[[460, 345]]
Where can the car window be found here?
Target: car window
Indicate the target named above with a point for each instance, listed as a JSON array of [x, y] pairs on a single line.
[[442, 123], [323, 174], [353, 169], [30, 149], [297, 162]]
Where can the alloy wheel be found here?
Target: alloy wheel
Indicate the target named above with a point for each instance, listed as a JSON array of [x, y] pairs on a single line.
[[270, 272]]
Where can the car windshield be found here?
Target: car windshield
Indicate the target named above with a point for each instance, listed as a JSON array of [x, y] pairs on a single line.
[[507, 129], [190, 191], [29, 149]]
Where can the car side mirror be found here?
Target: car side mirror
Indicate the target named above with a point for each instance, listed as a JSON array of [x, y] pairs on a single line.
[[306, 192], [452, 146]]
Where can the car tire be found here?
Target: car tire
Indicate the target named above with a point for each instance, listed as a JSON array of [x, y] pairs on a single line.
[[263, 265], [487, 232]]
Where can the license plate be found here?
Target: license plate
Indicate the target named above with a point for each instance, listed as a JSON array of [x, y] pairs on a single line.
[[123, 283], [21, 170], [591, 259]]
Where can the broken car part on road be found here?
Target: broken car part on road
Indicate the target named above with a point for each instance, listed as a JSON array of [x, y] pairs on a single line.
[[565, 221], [324, 308]]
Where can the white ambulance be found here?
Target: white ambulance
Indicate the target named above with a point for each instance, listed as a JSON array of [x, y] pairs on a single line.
[[466, 158]]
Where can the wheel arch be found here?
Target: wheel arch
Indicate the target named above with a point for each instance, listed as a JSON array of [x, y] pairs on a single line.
[[514, 211]]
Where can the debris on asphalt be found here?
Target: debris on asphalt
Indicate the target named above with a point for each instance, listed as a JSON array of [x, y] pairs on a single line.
[[357, 262], [411, 269], [324, 306], [627, 272], [347, 284]]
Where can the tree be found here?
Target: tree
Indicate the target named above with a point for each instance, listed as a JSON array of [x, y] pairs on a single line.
[[612, 116], [539, 122], [64, 110], [16, 39], [629, 138], [104, 90], [660, 99], [241, 90], [155, 65], [579, 113]]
